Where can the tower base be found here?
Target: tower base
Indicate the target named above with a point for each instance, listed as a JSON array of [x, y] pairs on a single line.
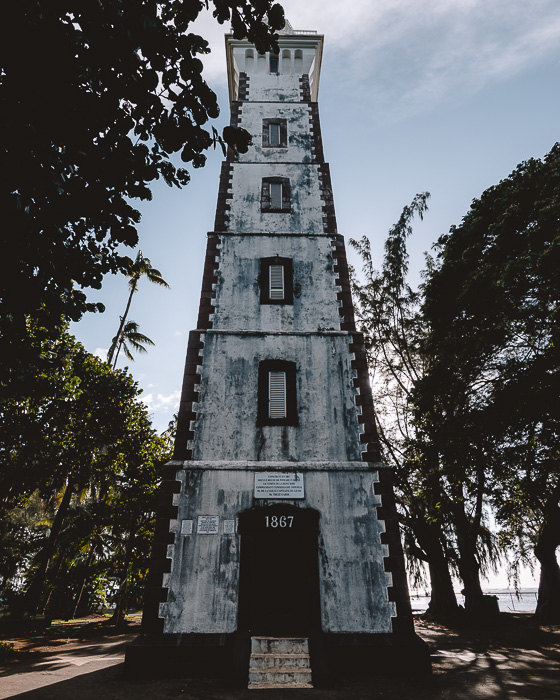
[[227, 656]]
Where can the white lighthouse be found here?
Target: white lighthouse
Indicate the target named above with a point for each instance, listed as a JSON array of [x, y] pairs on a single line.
[[277, 533]]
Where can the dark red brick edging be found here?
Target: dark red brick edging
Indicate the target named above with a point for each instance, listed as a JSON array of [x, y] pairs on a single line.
[[394, 563], [224, 193], [155, 593], [243, 91], [305, 88]]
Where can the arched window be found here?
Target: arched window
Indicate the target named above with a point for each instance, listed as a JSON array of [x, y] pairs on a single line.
[[298, 61], [273, 63], [249, 61], [286, 61], [261, 63]]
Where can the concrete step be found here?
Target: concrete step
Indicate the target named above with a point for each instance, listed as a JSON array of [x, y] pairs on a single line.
[[279, 662], [279, 645], [280, 677], [268, 686], [262, 661]]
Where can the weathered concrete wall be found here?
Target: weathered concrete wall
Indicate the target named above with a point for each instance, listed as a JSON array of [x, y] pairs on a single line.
[[238, 304], [226, 425], [300, 141], [203, 583], [305, 215]]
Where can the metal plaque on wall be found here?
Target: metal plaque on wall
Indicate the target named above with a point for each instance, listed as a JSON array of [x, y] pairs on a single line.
[[279, 485], [208, 524]]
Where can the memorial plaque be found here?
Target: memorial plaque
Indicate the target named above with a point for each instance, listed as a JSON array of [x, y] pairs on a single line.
[[208, 524], [278, 485], [229, 527], [186, 527]]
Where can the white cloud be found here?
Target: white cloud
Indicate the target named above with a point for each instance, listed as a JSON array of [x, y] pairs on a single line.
[[159, 402], [101, 353]]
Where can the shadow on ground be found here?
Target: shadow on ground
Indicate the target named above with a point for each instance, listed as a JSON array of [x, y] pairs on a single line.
[[514, 661]]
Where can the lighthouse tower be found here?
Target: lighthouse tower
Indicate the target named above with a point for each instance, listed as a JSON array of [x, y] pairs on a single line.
[[277, 534]]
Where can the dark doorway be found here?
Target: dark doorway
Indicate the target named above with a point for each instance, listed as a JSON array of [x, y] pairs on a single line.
[[279, 575]]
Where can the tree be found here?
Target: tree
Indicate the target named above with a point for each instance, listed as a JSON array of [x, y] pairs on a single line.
[[128, 337], [95, 97], [490, 393], [389, 316], [141, 266], [65, 447]]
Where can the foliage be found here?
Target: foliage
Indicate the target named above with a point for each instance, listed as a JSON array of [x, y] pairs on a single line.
[[389, 316], [130, 339], [490, 393], [141, 267], [95, 98], [80, 467]]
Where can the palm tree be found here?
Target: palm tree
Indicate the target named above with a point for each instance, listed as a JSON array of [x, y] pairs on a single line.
[[129, 337], [140, 267]]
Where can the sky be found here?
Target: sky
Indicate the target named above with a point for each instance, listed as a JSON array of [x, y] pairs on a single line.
[[444, 96]]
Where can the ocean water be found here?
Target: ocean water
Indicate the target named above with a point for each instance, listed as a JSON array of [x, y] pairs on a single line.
[[508, 600]]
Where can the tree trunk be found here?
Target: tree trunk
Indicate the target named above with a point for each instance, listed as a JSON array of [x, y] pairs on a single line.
[[36, 587], [120, 608], [469, 568], [548, 603], [443, 603], [116, 345], [84, 579]]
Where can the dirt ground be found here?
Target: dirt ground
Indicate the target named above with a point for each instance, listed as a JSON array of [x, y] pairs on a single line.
[[84, 660]]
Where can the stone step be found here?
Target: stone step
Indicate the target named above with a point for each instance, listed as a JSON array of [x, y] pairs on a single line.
[[270, 686], [279, 662], [278, 677], [279, 645], [263, 661]]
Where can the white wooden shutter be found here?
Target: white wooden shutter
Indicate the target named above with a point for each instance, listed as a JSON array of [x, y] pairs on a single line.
[[276, 195], [277, 394], [276, 281], [274, 134]]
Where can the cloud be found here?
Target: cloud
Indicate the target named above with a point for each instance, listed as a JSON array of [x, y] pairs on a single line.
[[409, 55], [161, 403], [101, 353]]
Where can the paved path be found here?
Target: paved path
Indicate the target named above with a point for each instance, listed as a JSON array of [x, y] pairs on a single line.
[[46, 674], [517, 664]]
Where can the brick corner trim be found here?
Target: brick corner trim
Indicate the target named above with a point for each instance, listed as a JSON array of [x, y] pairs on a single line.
[[224, 194], [305, 89], [155, 592], [243, 91], [394, 562], [329, 216]]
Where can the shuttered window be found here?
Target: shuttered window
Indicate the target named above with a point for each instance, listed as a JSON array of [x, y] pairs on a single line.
[[274, 134], [276, 282], [276, 395], [276, 195]]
